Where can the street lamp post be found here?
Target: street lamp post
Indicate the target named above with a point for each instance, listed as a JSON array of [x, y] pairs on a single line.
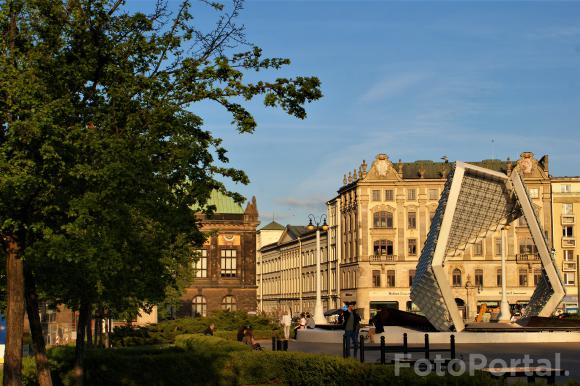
[[504, 309], [468, 286], [318, 309]]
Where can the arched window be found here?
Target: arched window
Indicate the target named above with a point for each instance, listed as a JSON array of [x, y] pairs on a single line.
[[229, 303], [456, 279], [383, 248], [383, 219], [199, 306]]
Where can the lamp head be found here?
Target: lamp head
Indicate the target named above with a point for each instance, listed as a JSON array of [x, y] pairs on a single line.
[[310, 226], [324, 226]]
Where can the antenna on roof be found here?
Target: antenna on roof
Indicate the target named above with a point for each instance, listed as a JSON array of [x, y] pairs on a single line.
[[492, 148]]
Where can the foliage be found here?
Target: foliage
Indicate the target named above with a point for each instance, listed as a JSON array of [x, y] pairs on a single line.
[[227, 324], [102, 155], [202, 360]]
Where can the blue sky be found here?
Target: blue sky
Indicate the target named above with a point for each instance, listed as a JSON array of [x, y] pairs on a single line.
[[415, 80]]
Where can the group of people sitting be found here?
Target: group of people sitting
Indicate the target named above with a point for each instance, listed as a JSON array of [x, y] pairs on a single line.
[[245, 335]]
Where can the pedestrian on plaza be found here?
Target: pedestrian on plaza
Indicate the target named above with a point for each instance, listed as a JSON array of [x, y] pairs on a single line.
[[301, 325], [286, 321], [310, 321], [351, 327], [210, 330]]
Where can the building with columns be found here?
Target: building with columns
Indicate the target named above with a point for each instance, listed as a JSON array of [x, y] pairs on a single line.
[[378, 222], [565, 206], [287, 272]]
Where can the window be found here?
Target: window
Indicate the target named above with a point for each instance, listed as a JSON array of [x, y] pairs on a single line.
[[389, 195], [412, 246], [391, 278], [479, 277], [383, 248], [200, 266], [567, 209], [523, 277], [412, 273], [411, 194], [498, 278], [433, 194], [198, 307], [568, 255], [498, 246], [527, 247], [570, 278], [412, 220], [383, 220], [376, 195], [456, 278], [567, 231], [478, 248], [537, 276], [376, 278], [566, 188], [229, 303], [534, 193], [228, 262]]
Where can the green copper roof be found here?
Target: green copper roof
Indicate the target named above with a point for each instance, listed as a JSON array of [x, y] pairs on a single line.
[[223, 203], [273, 226]]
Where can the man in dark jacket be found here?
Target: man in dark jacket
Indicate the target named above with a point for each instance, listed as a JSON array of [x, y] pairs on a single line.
[[351, 325]]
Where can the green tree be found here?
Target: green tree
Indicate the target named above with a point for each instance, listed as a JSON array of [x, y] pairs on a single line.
[[103, 150]]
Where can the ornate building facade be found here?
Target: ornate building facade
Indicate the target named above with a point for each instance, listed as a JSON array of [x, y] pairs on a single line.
[[380, 219], [225, 272], [378, 223], [565, 205]]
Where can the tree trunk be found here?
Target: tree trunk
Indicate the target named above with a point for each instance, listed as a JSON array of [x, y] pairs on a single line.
[[42, 367], [89, 331], [84, 318], [14, 314]]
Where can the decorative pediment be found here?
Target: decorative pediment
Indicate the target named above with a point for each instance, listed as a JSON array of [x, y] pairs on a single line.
[[529, 167], [383, 208], [382, 169]]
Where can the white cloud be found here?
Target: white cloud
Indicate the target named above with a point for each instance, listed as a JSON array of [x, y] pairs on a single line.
[[563, 31], [391, 87]]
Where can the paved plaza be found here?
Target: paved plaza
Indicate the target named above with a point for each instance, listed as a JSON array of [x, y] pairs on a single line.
[[569, 352]]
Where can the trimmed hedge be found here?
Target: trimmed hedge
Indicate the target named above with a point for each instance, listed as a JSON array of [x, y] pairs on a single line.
[[294, 368], [227, 324], [205, 360]]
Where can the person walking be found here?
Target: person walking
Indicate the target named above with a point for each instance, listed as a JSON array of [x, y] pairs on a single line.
[[351, 327], [286, 321]]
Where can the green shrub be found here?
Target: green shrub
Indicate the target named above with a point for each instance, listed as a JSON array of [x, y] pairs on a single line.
[[292, 368], [227, 324]]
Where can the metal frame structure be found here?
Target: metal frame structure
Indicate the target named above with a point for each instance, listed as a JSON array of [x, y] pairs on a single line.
[[474, 203]]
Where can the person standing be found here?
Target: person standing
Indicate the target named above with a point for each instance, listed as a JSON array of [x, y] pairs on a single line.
[[286, 321], [310, 321], [351, 327]]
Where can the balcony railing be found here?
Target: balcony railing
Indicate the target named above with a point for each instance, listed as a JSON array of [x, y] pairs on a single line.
[[568, 219], [527, 258], [382, 258], [568, 242]]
